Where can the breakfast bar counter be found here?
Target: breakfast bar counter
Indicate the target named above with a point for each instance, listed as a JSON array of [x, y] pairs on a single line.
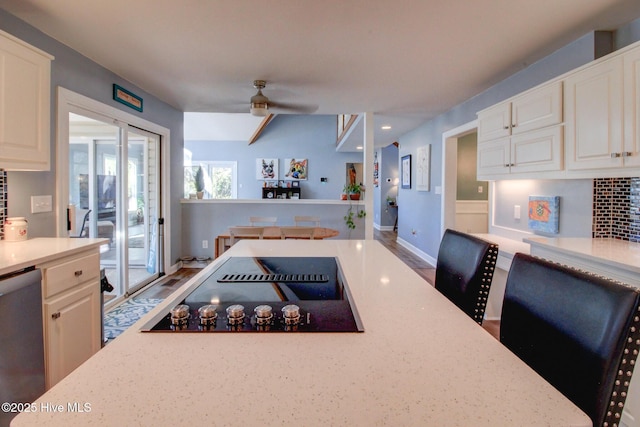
[[419, 361]]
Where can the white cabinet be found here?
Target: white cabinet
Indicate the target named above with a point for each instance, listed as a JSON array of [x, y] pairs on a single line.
[[522, 135], [631, 150], [25, 97], [72, 313], [593, 116]]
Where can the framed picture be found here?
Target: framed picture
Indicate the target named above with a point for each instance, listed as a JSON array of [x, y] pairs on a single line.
[[406, 171], [266, 169], [544, 213], [296, 169], [423, 168]]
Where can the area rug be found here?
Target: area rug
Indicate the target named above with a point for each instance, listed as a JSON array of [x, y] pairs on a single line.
[[126, 314]]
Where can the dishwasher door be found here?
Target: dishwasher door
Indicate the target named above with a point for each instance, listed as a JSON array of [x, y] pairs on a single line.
[[22, 378]]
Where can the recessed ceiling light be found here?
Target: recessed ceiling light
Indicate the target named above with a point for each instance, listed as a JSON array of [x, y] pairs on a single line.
[[385, 127], [359, 147]]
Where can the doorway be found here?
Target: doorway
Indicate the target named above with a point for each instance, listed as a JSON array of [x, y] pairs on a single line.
[[110, 179], [468, 216]]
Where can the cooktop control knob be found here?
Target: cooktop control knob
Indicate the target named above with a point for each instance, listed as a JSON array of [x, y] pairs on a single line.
[[235, 314], [291, 314], [208, 315], [180, 315], [264, 314]]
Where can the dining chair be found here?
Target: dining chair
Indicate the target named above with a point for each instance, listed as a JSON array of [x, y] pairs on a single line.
[[464, 271], [262, 220], [245, 232], [302, 220], [297, 232], [579, 331]]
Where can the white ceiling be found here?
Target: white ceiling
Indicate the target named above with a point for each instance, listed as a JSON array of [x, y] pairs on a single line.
[[404, 60]]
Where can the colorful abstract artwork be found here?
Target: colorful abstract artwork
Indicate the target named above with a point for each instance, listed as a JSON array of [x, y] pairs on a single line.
[[544, 213], [296, 169]]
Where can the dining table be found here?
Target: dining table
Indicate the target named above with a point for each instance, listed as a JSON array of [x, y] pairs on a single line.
[[223, 241]]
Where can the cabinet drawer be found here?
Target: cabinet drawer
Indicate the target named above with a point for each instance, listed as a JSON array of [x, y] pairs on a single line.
[[70, 272]]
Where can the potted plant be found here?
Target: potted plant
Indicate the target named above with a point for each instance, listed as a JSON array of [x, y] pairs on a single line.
[[199, 182], [353, 191]]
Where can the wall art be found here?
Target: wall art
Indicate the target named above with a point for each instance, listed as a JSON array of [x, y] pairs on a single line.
[[544, 213], [405, 171], [267, 169], [296, 169], [423, 168]]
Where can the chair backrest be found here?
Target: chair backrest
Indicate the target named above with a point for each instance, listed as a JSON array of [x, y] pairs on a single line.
[[302, 220], [297, 232], [577, 330], [81, 228], [258, 220], [464, 271], [245, 232]]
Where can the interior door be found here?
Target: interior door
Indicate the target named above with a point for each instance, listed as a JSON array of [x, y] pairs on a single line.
[[113, 192]]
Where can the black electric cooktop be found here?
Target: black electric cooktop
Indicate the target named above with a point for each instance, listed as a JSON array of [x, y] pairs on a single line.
[[267, 294]]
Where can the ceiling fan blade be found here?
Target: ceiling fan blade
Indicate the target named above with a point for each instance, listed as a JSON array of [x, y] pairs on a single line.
[[294, 108]]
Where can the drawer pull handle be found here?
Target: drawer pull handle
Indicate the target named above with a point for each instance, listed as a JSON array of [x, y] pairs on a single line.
[[55, 315], [615, 155], [78, 273], [627, 154]]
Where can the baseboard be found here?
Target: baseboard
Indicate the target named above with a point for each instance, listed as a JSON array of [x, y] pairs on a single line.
[[417, 252], [384, 227]]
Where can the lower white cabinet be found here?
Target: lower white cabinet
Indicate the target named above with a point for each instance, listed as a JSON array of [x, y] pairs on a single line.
[[72, 328], [71, 312]]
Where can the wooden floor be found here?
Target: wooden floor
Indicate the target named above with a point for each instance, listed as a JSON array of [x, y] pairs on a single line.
[[168, 284]]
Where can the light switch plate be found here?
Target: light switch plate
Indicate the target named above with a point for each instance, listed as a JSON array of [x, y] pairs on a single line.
[[41, 204], [516, 212]]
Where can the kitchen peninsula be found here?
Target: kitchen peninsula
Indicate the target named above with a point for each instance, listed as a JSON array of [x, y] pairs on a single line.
[[419, 361]]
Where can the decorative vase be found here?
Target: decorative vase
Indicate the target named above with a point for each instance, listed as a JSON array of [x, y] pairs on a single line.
[[200, 194]]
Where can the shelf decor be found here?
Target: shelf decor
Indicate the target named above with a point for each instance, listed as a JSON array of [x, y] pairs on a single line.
[[544, 213], [406, 171]]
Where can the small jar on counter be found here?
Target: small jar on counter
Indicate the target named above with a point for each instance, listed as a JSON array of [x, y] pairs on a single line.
[[15, 229]]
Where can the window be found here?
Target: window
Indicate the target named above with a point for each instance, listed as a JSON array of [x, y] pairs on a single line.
[[220, 179]]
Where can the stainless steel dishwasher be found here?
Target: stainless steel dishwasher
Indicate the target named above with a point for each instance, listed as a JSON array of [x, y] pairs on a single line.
[[21, 341]]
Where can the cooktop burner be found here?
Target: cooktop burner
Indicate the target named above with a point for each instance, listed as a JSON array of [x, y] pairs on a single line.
[[267, 294]]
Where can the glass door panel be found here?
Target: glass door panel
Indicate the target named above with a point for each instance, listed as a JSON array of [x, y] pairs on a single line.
[[115, 199]]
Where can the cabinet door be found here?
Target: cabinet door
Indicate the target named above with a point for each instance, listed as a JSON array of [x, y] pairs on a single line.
[[72, 330], [593, 116], [536, 109], [632, 108], [494, 122], [494, 158], [24, 106], [537, 151]]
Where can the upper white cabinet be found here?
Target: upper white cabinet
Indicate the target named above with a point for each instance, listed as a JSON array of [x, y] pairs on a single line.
[[594, 116], [522, 135], [25, 98], [631, 150]]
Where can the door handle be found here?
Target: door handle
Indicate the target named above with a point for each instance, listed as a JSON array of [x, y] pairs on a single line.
[[78, 273], [55, 315]]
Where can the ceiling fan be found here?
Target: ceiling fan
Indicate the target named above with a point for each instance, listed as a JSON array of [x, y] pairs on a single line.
[[260, 104]]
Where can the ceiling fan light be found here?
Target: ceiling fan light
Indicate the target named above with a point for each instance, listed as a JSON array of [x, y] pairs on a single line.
[[259, 109]]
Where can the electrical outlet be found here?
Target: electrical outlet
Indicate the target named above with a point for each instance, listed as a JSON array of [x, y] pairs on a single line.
[[480, 189], [205, 244]]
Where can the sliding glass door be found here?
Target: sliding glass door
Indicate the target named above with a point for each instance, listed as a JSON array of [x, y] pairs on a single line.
[[114, 194]]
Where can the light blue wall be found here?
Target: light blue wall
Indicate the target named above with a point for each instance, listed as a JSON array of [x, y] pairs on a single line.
[[311, 137], [79, 74], [419, 215]]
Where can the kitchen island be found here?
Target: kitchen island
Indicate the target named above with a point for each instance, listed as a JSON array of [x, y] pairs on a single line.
[[419, 361]]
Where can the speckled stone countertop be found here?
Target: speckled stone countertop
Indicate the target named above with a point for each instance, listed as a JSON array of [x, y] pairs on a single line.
[[18, 255], [420, 361]]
